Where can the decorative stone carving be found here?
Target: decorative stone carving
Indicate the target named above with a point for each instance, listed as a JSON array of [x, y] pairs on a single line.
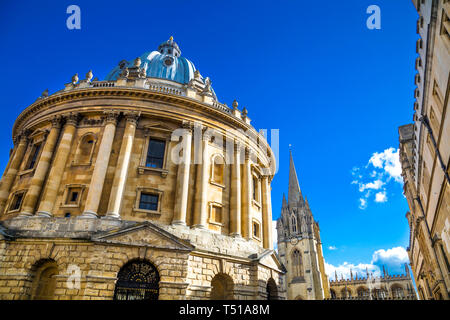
[[89, 76], [72, 118], [132, 116], [137, 62], [111, 116], [125, 73], [56, 121], [75, 78], [235, 105]]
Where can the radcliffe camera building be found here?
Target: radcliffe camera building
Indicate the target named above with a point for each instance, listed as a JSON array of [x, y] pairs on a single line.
[[94, 205], [425, 154]]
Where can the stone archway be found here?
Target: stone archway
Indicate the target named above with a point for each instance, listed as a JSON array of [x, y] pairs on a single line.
[[272, 290], [137, 280], [44, 283], [222, 287]]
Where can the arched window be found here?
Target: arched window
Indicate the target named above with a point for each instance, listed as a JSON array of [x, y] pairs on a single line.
[[294, 223], [44, 283], [271, 290], [363, 293], [222, 287], [297, 264], [137, 280], [397, 292], [217, 174], [85, 148]]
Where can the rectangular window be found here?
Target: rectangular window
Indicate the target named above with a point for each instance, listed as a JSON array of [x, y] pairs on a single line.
[[155, 153], [216, 214], [73, 195], [33, 156], [148, 201], [255, 229], [17, 201]]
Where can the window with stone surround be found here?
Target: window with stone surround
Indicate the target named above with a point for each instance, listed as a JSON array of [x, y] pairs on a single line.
[[217, 170], [256, 230], [155, 151], [72, 195], [85, 149], [148, 200], [445, 23], [16, 201], [297, 264], [215, 213], [33, 156]]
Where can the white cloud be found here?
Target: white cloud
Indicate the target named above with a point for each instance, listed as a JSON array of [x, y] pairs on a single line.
[[381, 197], [394, 256], [343, 270], [389, 161], [332, 248], [393, 259], [382, 168], [362, 203], [375, 185]]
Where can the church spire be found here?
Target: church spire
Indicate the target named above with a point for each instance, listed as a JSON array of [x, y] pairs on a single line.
[[294, 194]]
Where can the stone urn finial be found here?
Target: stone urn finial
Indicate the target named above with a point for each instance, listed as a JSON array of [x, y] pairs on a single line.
[[235, 104], [45, 93], [89, 76], [197, 74], [137, 62], [244, 112], [75, 78]]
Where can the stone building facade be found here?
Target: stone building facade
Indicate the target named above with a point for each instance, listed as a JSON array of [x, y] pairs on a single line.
[[141, 186], [300, 247], [373, 287], [425, 154]]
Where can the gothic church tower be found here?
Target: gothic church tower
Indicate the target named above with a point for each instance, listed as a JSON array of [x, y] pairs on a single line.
[[299, 245]]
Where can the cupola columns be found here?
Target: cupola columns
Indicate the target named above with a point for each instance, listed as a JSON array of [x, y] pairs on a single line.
[[50, 192], [201, 208], [247, 197], [101, 166], [11, 173], [180, 210], [32, 195], [123, 162], [235, 198], [267, 213]]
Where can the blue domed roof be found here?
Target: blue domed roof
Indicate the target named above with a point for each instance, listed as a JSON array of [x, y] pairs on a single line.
[[166, 63]]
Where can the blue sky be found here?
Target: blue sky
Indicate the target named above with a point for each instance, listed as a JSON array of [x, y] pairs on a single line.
[[336, 90]]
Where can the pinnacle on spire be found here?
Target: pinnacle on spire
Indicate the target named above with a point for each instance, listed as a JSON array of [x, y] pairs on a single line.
[[284, 203], [294, 194]]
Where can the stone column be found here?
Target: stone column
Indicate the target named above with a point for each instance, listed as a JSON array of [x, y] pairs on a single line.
[[235, 199], [180, 210], [101, 165], [201, 206], [266, 213], [32, 195], [11, 173], [247, 197], [123, 162], [50, 192]]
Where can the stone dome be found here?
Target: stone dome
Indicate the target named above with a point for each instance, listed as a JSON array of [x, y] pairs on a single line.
[[166, 63]]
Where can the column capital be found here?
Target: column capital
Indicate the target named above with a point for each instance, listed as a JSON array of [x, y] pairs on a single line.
[[72, 118], [187, 125], [56, 121], [111, 116], [21, 137], [207, 135], [132, 116]]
